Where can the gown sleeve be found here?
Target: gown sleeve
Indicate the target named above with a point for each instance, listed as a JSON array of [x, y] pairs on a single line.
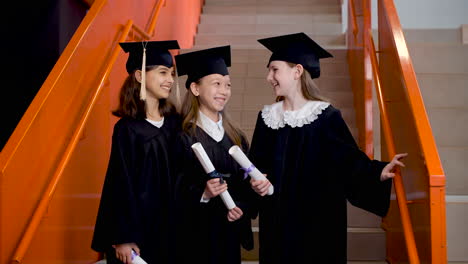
[[189, 187], [260, 146], [117, 215], [260, 150], [363, 187]]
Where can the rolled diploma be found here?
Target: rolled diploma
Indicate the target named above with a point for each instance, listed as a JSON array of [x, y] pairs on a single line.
[[245, 163], [208, 166], [136, 259]]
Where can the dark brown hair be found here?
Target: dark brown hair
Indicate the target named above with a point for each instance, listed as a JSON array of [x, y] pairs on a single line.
[[130, 104]]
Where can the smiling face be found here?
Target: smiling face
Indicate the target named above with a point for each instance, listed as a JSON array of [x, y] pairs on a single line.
[[282, 77], [213, 91], [159, 82]]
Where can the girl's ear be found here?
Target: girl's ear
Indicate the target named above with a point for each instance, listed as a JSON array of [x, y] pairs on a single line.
[[299, 70], [195, 89], [137, 74]]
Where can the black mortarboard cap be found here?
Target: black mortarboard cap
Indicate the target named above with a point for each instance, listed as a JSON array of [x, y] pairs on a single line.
[[157, 53], [200, 63], [296, 48]]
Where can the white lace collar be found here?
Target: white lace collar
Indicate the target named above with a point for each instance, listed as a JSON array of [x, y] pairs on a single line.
[[275, 117], [214, 129]]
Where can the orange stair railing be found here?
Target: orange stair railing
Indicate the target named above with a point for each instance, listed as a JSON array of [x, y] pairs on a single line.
[[52, 166], [51, 187], [415, 228]]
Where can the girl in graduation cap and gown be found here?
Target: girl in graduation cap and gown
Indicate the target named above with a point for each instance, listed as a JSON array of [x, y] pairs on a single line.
[[136, 202], [305, 148], [209, 232]]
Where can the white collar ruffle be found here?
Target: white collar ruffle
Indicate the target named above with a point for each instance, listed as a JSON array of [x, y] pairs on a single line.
[[275, 117], [214, 129]]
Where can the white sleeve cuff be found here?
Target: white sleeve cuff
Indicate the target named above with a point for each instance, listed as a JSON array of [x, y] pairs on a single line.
[[203, 200]]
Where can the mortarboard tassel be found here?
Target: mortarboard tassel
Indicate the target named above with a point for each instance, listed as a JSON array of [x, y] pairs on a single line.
[[143, 76]]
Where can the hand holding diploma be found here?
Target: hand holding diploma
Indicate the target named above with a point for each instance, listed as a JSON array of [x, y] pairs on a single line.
[[237, 153], [128, 253], [209, 169], [214, 188]]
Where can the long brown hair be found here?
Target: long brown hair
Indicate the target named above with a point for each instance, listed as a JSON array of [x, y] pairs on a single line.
[[189, 111], [309, 89], [130, 104]]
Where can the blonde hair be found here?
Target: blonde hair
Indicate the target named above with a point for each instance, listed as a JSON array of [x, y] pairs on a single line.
[[309, 88], [189, 111]]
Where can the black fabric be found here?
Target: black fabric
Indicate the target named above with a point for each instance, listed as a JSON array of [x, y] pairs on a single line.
[[315, 169], [204, 232], [157, 53], [137, 199], [198, 64], [296, 48]]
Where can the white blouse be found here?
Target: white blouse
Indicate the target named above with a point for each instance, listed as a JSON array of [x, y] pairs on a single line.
[[214, 129], [157, 124]]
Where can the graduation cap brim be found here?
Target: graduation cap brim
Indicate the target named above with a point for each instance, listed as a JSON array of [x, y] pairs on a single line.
[[198, 64], [296, 40], [296, 48], [157, 53]]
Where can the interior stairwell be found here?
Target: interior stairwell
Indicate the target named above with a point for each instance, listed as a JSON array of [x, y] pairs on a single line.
[[441, 63], [240, 24]]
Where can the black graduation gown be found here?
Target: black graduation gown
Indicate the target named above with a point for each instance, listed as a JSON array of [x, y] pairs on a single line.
[[314, 169], [204, 233], [137, 197]]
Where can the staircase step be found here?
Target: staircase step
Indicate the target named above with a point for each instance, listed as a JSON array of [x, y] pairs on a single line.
[[255, 85], [243, 40], [256, 262], [268, 19], [276, 29], [364, 244], [255, 102], [360, 218], [262, 55], [433, 36], [328, 67], [270, 2], [439, 59], [454, 118], [457, 233], [303, 8], [454, 162], [443, 90]]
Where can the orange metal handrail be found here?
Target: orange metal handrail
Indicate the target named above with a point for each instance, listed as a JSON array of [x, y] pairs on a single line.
[[15, 141], [44, 202], [398, 181], [391, 38], [436, 176], [155, 16], [46, 198], [353, 17], [140, 31]]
